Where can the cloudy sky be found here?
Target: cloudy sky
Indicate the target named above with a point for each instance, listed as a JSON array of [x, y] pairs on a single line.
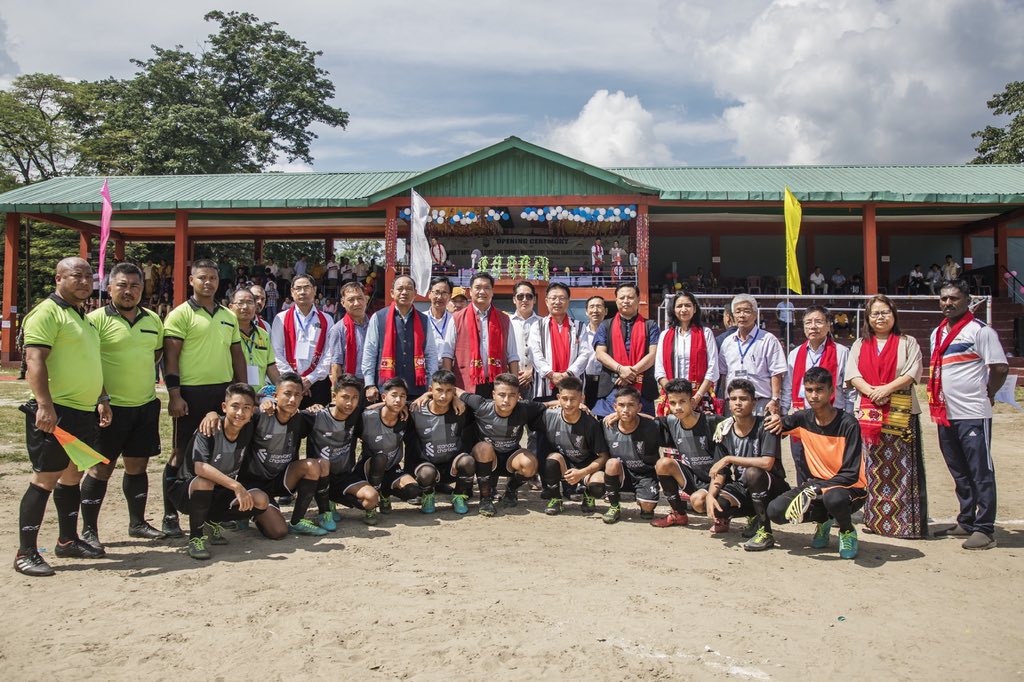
[[697, 82]]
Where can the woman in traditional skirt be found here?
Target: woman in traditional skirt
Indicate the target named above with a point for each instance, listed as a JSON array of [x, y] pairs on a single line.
[[687, 350], [884, 365]]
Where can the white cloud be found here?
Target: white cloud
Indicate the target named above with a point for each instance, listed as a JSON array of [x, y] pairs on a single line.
[[283, 166], [612, 129]]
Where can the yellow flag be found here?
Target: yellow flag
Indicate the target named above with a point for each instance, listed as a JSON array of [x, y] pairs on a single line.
[[793, 214]]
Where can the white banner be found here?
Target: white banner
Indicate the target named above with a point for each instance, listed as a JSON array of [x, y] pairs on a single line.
[[419, 256]]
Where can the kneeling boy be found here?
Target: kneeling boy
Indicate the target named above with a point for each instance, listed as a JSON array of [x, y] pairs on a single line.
[[633, 443]]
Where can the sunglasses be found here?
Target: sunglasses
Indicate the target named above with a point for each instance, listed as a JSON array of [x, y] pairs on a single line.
[[524, 297]]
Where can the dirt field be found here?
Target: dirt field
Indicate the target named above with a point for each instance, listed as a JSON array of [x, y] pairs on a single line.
[[522, 596]]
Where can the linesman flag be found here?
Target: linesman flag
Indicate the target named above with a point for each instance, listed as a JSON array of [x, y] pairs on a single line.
[[78, 452], [793, 215], [419, 256]]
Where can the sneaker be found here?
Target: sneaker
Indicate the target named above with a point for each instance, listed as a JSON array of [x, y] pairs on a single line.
[[612, 515], [370, 517], [428, 504], [956, 531], [91, 537], [588, 505], [720, 526], [459, 505], [306, 527], [384, 506], [145, 531], [646, 515], [215, 533], [674, 518], [554, 506], [76, 549], [487, 507], [752, 525], [285, 500], [171, 527], [197, 548], [979, 540], [821, 534], [33, 565], [335, 513], [510, 498], [848, 544], [326, 521], [761, 541]]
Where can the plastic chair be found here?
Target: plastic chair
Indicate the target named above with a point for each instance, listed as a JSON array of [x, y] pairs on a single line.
[[753, 284]]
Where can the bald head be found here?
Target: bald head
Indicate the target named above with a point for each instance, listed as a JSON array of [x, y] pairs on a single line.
[[73, 278], [72, 262]]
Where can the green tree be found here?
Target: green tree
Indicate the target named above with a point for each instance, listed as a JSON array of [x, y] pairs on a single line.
[[37, 138], [1005, 144]]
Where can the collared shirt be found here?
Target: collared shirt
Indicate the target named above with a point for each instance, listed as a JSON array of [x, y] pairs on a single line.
[[681, 357], [128, 352], [758, 358], [206, 340], [511, 344], [443, 331], [300, 267], [337, 342], [75, 375], [594, 365], [842, 401], [259, 355], [373, 346], [521, 328], [307, 333]]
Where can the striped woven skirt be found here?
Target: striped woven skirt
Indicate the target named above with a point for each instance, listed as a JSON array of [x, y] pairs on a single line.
[[897, 504]]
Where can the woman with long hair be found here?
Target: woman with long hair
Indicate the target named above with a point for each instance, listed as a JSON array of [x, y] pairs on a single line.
[[884, 365], [687, 350]]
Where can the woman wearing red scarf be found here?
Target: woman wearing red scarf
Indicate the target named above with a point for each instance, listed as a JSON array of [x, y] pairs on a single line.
[[687, 350], [883, 366]]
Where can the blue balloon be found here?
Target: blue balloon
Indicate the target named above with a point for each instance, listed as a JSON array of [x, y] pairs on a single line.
[[504, 215]]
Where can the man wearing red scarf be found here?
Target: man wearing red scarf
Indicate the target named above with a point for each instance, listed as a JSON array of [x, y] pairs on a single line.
[[819, 350], [398, 344], [968, 366], [299, 337], [626, 345], [348, 336], [484, 346], [557, 345]]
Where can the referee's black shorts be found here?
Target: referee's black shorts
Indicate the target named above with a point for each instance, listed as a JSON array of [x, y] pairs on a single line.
[[200, 400], [133, 431], [45, 451]]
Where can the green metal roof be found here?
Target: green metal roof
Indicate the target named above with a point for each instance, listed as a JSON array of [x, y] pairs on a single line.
[[976, 184], [514, 168]]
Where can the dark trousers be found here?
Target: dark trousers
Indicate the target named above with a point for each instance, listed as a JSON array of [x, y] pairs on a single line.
[[319, 394], [966, 446], [590, 390]]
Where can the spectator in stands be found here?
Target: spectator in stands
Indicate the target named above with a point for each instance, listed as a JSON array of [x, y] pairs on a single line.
[[301, 266], [272, 267], [950, 270], [915, 280], [617, 252], [360, 270], [838, 281], [784, 311], [818, 283], [934, 279], [855, 287], [597, 254], [270, 311], [438, 254]]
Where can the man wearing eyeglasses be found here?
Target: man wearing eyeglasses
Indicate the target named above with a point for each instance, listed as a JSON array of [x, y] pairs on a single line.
[[485, 345], [524, 319], [558, 347], [299, 338]]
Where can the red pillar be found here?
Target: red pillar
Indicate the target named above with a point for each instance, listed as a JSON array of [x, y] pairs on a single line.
[[968, 260], [10, 301], [643, 256], [1002, 258], [181, 256], [257, 251], [119, 249], [390, 246], [84, 245], [870, 234]]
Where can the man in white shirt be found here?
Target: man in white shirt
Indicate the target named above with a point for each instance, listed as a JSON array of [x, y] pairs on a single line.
[[784, 312], [818, 283], [557, 345], [524, 295], [597, 254], [597, 310], [617, 253], [299, 337], [438, 254], [754, 354], [333, 272], [950, 269], [441, 327]]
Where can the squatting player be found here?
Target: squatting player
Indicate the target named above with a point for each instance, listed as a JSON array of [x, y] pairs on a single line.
[[634, 447], [333, 443]]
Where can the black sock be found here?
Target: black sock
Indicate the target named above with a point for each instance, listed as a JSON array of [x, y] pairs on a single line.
[[515, 482], [483, 478], [170, 476], [408, 492], [465, 467], [304, 493], [671, 488], [30, 517], [614, 484], [136, 493], [552, 476], [726, 506], [67, 499], [323, 494], [93, 492], [199, 503], [375, 471], [760, 504]]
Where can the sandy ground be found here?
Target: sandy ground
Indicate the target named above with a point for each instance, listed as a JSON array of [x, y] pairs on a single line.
[[524, 595]]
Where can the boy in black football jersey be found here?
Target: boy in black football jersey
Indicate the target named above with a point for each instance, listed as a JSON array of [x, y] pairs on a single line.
[[500, 424], [436, 450], [578, 449], [207, 486], [748, 474], [333, 442], [382, 433], [634, 448], [692, 435]]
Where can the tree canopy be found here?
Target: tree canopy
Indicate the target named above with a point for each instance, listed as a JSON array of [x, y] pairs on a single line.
[[1003, 144]]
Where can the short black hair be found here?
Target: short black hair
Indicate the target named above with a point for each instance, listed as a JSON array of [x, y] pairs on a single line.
[[507, 378], [441, 280], [203, 264], [745, 385], [240, 388], [600, 298], [570, 383], [308, 278], [480, 274], [960, 284], [565, 288], [818, 376], [348, 381], [291, 378], [445, 377], [126, 269], [629, 392], [527, 284], [395, 382], [819, 309], [627, 285], [679, 386]]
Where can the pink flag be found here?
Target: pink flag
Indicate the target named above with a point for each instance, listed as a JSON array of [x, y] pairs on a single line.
[[108, 210]]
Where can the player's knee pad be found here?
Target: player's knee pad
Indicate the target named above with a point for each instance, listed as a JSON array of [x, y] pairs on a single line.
[[375, 468], [552, 469], [408, 491], [596, 489], [427, 475], [465, 465], [754, 479]]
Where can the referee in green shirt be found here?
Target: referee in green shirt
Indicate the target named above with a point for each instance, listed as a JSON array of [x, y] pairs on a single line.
[[62, 350], [131, 343], [202, 355]]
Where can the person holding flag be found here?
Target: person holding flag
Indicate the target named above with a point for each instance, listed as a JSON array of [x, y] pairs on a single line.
[[64, 371], [626, 345]]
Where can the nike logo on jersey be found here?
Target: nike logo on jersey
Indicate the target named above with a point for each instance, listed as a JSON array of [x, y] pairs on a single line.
[[378, 439]]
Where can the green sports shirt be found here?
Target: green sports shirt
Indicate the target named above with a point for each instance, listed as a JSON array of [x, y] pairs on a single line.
[[206, 342], [259, 355], [127, 350], [73, 365]]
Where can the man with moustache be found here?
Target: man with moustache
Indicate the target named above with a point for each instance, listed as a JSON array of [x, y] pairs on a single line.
[[299, 338]]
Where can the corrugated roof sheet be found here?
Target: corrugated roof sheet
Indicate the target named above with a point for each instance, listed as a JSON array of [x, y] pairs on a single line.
[[998, 184]]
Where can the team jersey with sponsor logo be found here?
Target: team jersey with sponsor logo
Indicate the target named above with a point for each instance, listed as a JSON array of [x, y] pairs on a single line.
[[222, 454], [438, 438], [696, 446], [638, 450], [504, 433], [275, 445], [380, 439], [579, 443], [335, 440]]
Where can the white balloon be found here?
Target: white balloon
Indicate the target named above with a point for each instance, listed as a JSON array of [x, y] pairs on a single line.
[[523, 215]]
